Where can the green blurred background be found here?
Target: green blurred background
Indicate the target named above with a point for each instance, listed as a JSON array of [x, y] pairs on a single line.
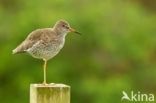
[[116, 52]]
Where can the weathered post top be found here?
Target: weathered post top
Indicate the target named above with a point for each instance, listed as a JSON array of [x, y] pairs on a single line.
[[49, 93]]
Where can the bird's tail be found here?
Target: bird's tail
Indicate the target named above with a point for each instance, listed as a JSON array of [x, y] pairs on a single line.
[[16, 51]]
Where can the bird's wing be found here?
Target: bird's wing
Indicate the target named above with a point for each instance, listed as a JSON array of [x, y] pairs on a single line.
[[32, 39]]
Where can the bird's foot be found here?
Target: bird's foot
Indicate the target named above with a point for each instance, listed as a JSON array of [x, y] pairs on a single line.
[[44, 83]]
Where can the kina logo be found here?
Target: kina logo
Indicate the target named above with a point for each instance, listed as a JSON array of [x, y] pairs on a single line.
[[138, 96]]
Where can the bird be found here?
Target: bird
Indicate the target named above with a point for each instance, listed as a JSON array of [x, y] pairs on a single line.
[[45, 43]]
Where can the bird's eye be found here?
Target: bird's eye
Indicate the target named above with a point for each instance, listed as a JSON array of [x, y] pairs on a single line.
[[63, 26]]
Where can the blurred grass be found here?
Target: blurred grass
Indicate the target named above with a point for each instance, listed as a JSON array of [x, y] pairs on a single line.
[[116, 52]]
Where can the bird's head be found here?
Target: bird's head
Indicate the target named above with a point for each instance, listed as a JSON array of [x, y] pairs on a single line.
[[63, 27]]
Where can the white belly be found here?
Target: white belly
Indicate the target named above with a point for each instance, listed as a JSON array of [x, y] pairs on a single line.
[[46, 52]]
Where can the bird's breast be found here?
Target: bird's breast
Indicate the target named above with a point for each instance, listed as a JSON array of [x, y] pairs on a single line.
[[47, 49]]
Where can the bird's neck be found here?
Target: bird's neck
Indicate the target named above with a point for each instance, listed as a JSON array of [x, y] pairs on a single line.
[[60, 33]]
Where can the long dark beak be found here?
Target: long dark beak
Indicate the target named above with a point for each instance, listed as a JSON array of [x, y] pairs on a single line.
[[73, 30]]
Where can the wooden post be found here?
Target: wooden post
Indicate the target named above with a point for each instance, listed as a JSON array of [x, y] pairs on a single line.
[[50, 93]]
